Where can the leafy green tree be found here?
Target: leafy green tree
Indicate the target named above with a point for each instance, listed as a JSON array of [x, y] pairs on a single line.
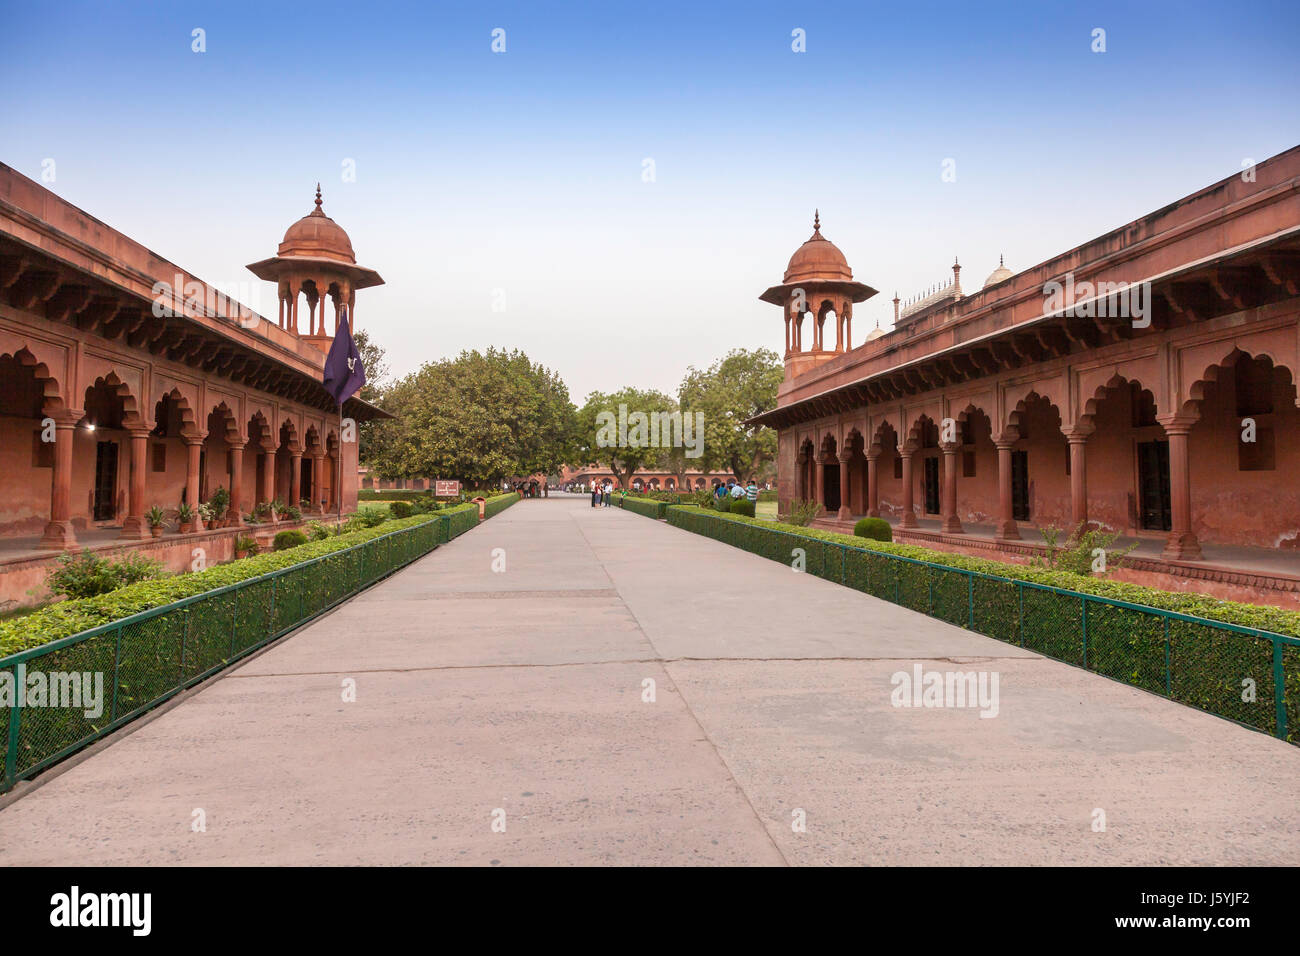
[[480, 417], [737, 387], [370, 434], [611, 434]]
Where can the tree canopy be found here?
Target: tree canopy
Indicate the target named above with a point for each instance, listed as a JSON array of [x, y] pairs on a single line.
[[738, 386], [480, 417]]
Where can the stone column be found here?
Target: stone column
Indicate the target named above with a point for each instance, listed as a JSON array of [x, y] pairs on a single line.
[[1006, 530], [845, 511], [236, 514], [192, 447], [909, 512], [135, 526], [295, 479], [1182, 544], [1078, 481], [951, 523], [819, 493], [266, 467], [787, 334], [58, 531], [316, 506], [873, 487]]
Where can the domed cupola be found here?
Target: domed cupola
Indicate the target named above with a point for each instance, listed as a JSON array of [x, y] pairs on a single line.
[[315, 261], [1000, 274], [818, 283]]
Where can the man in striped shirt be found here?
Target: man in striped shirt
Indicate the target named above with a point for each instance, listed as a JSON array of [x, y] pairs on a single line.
[[751, 491]]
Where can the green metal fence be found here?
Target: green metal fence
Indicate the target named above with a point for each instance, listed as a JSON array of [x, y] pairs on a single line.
[[1243, 674], [149, 657]]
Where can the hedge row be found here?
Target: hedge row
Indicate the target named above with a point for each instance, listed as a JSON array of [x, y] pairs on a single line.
[[499, 503], [409, 494], [1194, 659], [71, 617], [1261, 617], [642, 506]]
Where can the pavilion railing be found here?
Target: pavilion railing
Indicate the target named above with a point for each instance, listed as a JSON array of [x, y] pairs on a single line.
[[1243, 674], [147, 658]]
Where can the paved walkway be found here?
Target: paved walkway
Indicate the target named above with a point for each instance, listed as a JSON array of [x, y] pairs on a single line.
[[479, 692]]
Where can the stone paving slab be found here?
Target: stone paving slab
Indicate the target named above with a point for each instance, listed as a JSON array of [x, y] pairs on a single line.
[[522, 692]]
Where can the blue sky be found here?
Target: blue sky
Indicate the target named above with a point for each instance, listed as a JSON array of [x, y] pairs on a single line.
[[517, 177]]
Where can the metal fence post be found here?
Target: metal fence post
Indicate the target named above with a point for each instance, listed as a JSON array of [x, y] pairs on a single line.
[[1020, 595], [1279, 689], [11, 746], [1169, 691], [970, 599], [117, 669], [1083, 615]]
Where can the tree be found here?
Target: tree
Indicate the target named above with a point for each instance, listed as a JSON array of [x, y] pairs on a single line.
[[370, 434], [622, 431], [480, 417], [737, 387]]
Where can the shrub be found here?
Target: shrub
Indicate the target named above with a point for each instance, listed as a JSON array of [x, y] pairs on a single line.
[[877, 529], [401, 509], [285, 540], [87, 574], [722, 504], [769, 495], [742, 506], [1078, 553], [247, 543], [317, 531], [702, 497], [373, 517], [802, 512]]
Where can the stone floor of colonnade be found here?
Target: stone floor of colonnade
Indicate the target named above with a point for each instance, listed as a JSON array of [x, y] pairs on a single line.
[[479, 692]]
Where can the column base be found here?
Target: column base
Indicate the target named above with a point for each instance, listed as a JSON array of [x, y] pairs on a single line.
[[844, 514], [908, 520], [134, 528], [1182, 547], [952, 525], [1007, 531], [58, 536]]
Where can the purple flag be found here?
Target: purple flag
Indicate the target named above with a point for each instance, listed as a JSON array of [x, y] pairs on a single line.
[[344, 373]]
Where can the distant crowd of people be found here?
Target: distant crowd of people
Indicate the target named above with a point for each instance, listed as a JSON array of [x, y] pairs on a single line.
[[600, 493]]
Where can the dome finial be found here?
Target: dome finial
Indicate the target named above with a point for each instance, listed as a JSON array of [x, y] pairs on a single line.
[[817, 222], [318, 204], [1000, 260]]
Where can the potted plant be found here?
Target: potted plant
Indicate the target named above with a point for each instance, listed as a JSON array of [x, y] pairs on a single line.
[[281, 509], [155, 516], [245, 545], [220, 504], [185, 517]]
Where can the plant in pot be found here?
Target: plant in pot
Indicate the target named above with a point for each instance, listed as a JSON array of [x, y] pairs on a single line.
[[185, 516], [281, 510], [262, 513], [245, 545], [155, 516], [220, 501]]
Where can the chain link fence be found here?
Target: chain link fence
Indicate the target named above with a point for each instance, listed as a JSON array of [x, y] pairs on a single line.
[[143, 660], [1246, 675]]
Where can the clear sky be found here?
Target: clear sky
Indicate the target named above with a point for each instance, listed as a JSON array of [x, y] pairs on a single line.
[[517, 177]]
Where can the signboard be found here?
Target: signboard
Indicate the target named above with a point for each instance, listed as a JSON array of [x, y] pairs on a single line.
[[446, 489]]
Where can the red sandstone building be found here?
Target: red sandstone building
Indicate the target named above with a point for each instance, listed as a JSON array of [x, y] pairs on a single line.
[[985, 416], [156, 388]]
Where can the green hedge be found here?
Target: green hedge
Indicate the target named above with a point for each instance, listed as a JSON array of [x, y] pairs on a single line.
[[1190, 656], [155, 638], [642, 506], [499, 503]]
